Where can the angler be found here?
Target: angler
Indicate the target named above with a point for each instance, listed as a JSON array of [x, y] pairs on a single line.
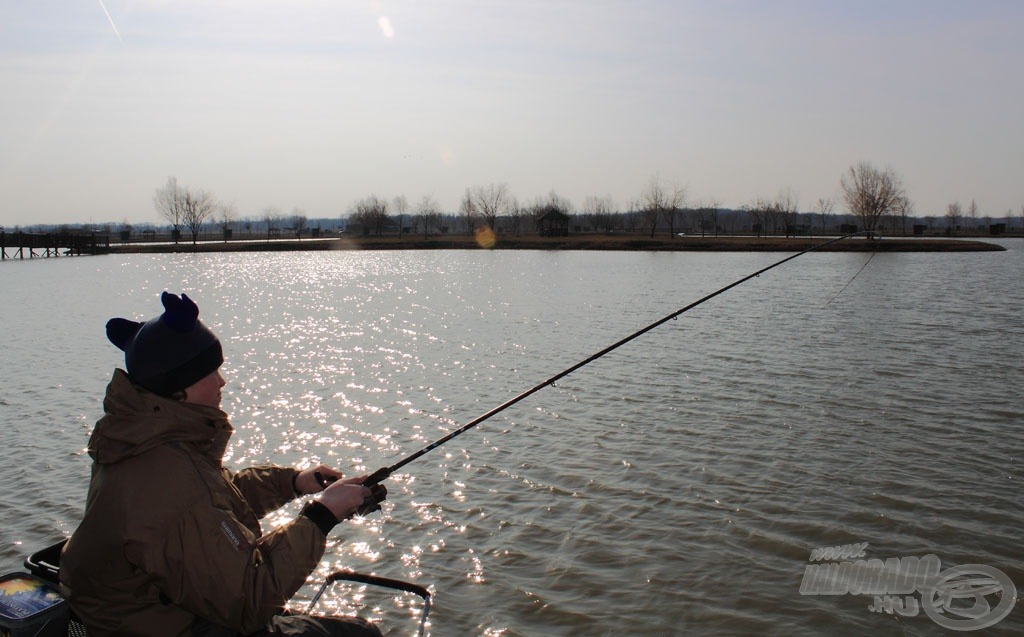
[[171, 543]]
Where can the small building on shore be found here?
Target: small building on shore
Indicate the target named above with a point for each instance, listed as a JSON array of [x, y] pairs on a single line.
[[553, 224]]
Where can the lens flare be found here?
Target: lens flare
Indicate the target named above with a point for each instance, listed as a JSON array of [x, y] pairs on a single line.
[[485, 237]]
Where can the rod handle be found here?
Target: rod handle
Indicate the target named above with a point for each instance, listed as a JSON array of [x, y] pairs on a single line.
[[378, 476]]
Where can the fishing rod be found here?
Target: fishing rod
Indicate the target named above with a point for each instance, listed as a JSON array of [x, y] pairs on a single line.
[[383, 473]]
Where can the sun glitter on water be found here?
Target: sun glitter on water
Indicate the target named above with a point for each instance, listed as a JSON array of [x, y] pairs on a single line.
[[485, 237]]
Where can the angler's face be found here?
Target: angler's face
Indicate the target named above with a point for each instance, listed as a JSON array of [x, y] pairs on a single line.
[[206, 390]]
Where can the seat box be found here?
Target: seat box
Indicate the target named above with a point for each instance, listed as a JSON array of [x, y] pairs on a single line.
[[30, 606]]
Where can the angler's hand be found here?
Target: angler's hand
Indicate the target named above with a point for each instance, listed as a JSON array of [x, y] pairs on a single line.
[[345, 498], [378, 493], [316, 479]]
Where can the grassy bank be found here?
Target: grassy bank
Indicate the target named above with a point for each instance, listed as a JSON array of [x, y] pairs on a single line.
[[572, 242]]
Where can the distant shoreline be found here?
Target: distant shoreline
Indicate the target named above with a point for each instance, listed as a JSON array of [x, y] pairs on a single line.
[[572, 242]]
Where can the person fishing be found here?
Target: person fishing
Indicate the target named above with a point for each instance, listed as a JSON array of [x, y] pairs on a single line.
[[170, 543]]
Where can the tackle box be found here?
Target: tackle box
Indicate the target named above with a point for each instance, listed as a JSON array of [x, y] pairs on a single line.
[[29, 606]]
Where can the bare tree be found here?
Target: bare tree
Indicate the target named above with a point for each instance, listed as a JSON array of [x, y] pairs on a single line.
[[954, 214], [778, 215], [870, 193], [521, 215], [400, 205], [228, 214], [489, 202], [271, 217], [703, 214], [711, 209], [517, 214], [770, 217], [199, 206], [599, 212], [372, 213], [428, 213], [905, 208], [825, 208], [170, 203], [298, 221], [972, 214], [760, 213], [660, 202], [633, 215], [555, 201], [467, 208], [785, 209]]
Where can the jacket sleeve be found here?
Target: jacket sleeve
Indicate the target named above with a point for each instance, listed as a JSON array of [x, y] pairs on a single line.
[[212, 565], [266, 488]]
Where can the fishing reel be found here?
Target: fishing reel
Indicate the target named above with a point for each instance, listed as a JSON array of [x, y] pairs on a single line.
[[378, 492]]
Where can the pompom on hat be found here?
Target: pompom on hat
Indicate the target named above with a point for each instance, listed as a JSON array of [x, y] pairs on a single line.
[[170, 352]]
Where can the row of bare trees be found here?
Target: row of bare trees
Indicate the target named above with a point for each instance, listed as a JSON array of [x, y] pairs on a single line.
[[480, 206], [874, 196], [869, 193], [955, 215], [187, 208], [660, 205], [484, 205], [275, 220], [375, 214]]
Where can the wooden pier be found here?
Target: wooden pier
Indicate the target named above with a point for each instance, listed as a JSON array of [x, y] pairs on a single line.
[[19, 245]]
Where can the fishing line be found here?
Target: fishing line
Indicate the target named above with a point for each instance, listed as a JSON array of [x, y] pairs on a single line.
[[854, 277], [383, 473]]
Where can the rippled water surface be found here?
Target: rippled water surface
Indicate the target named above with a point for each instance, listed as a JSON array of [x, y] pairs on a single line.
[[675, 486]]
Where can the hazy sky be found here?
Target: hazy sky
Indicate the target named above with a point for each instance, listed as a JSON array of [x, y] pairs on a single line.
[[313, 104]]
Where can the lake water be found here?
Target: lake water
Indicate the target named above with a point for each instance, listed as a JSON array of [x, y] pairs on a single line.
[[676, 486]]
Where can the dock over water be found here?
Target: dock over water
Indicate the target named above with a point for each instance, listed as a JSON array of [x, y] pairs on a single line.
[[32, 245]]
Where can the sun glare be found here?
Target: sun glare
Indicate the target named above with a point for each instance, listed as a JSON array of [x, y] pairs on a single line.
[[385, 26]]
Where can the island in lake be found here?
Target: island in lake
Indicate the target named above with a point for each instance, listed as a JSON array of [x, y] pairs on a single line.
[[632, 242]]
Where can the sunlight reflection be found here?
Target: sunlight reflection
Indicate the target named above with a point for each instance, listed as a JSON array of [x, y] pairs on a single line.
[[476, 573], [363, 549]]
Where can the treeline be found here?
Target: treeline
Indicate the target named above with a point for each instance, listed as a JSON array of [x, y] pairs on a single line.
[[875, 200], [764, 220]]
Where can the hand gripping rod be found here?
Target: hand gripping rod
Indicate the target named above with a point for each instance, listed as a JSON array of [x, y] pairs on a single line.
[[384, 472]]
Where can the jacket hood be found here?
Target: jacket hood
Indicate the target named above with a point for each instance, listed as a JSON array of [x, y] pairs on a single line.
[[136, 420]]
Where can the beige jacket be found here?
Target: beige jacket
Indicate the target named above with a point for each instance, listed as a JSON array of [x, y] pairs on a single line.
[[169, 534]]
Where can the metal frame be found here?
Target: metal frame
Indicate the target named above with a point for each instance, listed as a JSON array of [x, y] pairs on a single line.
[[374, 580]]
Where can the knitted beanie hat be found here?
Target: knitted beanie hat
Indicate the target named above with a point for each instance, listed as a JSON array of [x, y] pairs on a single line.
[[170, 352]]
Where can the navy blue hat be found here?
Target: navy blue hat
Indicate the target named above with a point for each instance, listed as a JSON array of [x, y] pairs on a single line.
[[171, 352]]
